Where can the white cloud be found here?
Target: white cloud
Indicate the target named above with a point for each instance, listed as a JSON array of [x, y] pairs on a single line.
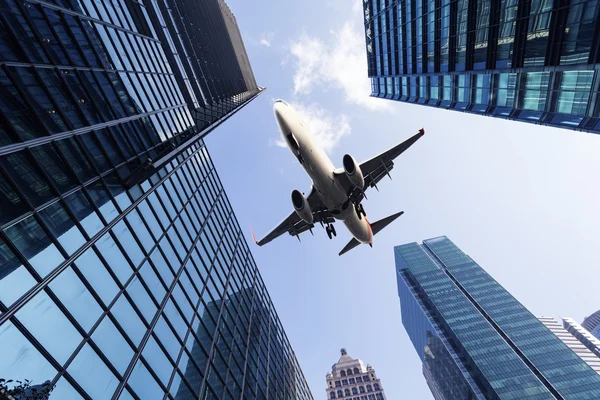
[[266, 38], [327, 128], [340, 62]]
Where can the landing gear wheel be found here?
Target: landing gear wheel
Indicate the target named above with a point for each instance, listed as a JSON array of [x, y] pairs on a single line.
[[300, 159], [329, 233], [362, 210], [333, 230]]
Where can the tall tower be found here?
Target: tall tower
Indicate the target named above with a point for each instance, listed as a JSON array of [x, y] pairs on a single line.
[[123, 270], [350, 379], [592, 324], [577, 339], [476, 341], [527, 60]]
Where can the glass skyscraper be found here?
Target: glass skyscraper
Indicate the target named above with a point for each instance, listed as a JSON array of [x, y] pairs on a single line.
[[592, 324], [123, 271], [528, 60], [476, 341]]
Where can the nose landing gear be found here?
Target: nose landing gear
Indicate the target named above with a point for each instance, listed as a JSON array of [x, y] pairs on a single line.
[[330, 229], [360, 211]]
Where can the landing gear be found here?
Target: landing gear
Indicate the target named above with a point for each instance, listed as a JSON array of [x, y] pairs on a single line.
[[360, 210], [300, 158], [330, 229]]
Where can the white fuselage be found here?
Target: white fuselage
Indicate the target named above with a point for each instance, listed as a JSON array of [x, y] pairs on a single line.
[[320, 169]]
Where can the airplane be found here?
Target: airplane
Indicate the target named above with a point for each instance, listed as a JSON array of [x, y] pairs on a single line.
[[336, 193]]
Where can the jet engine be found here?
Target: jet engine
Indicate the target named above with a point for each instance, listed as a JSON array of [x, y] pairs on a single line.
[[301, 207], [353, 171]]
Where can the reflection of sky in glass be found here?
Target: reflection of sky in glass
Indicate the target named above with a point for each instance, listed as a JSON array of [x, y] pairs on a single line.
[[50, 326], [15, 285], [20, 360], [92, 374]]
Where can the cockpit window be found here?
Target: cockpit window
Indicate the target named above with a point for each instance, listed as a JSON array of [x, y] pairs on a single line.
[[281, 101]]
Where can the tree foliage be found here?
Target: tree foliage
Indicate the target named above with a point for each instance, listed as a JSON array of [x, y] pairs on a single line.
[[24, 390]]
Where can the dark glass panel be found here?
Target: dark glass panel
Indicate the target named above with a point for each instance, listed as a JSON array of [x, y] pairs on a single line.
[[18, 114], [49, 42], [9, 48], [54, 167], [27, 40], [62, 227], [11, 205], [60, 28], [101, 198], [61, 96], [73, 154], [42, 104], [81, 41], [95, 153], [97, 97], [111, 96], [15, 280], [36, 247]]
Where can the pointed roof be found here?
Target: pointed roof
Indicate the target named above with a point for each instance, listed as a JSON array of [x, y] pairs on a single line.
[[345, 357]]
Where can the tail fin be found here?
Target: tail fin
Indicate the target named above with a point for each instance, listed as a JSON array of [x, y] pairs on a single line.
[[376, 227]]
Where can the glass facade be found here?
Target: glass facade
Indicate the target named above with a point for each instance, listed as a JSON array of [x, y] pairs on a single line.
[[592, 324], [476, 341], [123, 271], [528, 60]]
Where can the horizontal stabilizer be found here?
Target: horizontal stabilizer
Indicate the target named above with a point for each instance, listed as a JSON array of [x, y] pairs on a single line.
[[382, 223], [376, 227], [351, 244]]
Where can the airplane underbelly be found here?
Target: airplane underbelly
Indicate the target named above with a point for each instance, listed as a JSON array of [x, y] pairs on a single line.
[[359, 228]]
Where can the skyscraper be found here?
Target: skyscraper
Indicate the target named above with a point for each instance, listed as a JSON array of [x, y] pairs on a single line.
[[123, 271], [592, 324], [477, 341], [578, 340], [350, 379], [533, 61]]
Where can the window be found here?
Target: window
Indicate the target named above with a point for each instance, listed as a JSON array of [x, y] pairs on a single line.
[[343, 373], [349, 372], [356, 372], [354, 391], [362, 389], [338, 384], [369, 388], [340, 394], [346, 392], [332, 395], [345, 382], [376, 386]]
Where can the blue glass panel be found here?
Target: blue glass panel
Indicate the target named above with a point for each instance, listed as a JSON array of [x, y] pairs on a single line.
[[64, 391], [113, 345], [20, 360], [129, 320], [167, 338], [95, 273], [141, 299], [76, 297], [159, 363], [114, 257], [92, 374], [144, 384], [15, 280], [84, 213], [50, 326], [156, 288], [128, 242]]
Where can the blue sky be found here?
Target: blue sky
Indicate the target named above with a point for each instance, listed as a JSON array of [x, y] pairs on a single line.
[[520, 199]]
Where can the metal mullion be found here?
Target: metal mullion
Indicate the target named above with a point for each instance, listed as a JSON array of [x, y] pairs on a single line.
[[73, 67], [160, 311], [88, 18], [76, 132], [50, 276]]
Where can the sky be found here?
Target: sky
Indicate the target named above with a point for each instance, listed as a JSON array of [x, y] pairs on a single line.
[[522, 200]]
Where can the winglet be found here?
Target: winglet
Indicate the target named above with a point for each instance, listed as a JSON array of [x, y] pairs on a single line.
[[253, 237], [422, 131]]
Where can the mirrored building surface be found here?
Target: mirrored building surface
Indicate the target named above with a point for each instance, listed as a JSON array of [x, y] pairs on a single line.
[[592, 324], [528, 60], [123, 271], [475, 340]]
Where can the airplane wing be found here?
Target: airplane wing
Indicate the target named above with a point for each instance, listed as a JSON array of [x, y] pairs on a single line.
[[294, 225], [376, 168]]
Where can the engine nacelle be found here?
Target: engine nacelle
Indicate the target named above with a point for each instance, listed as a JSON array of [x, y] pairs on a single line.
[[301, 207], [353, 171]]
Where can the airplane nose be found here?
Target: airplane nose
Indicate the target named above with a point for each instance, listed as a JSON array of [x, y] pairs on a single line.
[[279, 109]]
